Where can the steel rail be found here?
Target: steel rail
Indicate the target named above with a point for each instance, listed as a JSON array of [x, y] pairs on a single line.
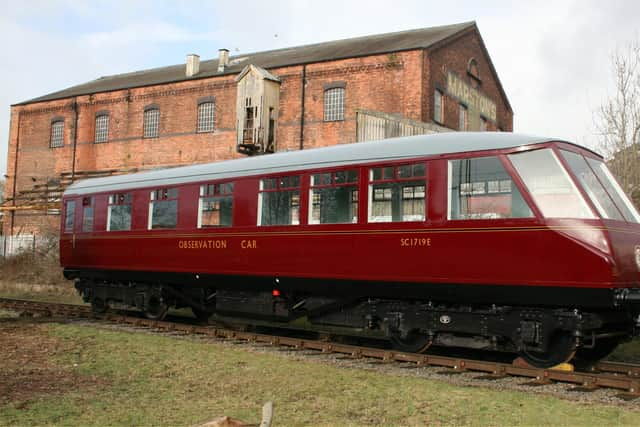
[[610, 375]]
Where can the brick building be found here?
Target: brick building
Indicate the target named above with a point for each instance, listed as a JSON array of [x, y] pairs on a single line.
[[418, 81]]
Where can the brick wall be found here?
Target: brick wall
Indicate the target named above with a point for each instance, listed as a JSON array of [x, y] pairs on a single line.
[[400, 83]]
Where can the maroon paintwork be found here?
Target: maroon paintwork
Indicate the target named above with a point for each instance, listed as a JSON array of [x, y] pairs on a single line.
[[528, 252]]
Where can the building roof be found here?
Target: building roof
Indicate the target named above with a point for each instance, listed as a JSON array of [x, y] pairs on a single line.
[[318, 52], [335, 156]]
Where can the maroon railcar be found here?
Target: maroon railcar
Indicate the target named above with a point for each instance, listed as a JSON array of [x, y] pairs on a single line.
[[484, 240]]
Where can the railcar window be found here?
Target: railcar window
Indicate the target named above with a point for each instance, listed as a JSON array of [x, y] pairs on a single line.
[[615, 191], [87, 214], [279, 201], [163, 208], [69, 216], [397, 193], [590, 183], [216, 205], [550, 185], [334, 197], [481, 188], [119, 213]]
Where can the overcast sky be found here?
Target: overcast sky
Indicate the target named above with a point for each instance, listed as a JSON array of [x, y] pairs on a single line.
[[552, 57]]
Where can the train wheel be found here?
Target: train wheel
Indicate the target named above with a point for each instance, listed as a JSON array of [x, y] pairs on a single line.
[[156, 308], [586, 357], [99, 306], [562, 348], [414, 342], [201, 315]]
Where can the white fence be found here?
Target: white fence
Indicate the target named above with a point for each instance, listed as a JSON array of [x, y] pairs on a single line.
[[14, 245]]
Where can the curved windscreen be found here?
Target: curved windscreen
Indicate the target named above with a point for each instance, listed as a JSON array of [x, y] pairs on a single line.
[[550, 185], [614, 190]]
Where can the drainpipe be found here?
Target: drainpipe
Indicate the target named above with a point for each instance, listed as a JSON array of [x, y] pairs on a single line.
[[304, 78], [15, 175], [74, 106]]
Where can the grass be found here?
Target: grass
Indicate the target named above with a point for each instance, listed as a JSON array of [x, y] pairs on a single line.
[[155, 380]]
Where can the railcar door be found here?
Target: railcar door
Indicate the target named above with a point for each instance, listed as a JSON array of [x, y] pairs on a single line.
[[67, 233]]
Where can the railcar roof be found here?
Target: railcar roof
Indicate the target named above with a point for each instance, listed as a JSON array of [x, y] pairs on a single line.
[[340, 155]]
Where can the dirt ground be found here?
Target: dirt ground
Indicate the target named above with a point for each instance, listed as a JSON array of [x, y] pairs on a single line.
[[29, 370]]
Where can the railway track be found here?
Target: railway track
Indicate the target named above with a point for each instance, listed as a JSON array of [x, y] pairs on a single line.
[[622, 377]]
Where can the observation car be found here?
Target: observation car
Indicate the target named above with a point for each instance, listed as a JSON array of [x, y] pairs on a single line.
[[484, 240]]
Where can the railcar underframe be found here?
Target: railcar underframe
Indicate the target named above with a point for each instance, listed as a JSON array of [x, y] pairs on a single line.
[[544, 334]]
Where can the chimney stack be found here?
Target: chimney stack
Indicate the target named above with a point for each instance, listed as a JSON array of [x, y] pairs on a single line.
[[193, 65], [223, 59]]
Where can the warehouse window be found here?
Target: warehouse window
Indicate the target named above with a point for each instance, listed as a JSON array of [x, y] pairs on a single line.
[[334, 104], [334, 197], [397, 193], [463, 118], [163, 208], [119, 212], [57, 132], [437, 106], [216, 205], [151, 122], [87, 214], [102, 127], [481, 188], [206, 115], [279, 201], [69, 215]]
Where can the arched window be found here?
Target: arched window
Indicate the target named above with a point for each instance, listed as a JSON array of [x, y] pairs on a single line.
[[206, 115], [57, 133], [102, 127], [151, 121], [334, 104]]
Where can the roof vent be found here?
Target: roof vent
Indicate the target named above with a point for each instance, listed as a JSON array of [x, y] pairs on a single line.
[[193, 65], [223, 59]]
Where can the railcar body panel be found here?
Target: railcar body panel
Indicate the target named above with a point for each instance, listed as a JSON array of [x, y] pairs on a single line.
[[535, 252]]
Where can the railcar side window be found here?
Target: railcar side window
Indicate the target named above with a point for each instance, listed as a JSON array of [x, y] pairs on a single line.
[[550, 185], [334, 197], [481, 188], [69, 216], [591, 185], [397, 193], [615, 191], [163, 208], [119, 213], [216, 205], [279, 201], [87, 214]]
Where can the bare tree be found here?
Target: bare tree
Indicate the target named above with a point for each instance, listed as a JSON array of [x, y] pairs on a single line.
[[617, 120]]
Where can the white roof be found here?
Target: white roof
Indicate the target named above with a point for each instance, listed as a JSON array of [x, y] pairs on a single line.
[[339, 155]]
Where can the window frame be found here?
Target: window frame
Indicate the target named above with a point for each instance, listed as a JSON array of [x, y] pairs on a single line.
[[463, 114], [69, 226], [300, 175], [514, 178], [332, 185], [88, 203], [438, 107], [397, 179], [149, 132], [334, 103], [201, 121], [103, 133], [222, 193], [54, 134], [152, 194], [113, 199]]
